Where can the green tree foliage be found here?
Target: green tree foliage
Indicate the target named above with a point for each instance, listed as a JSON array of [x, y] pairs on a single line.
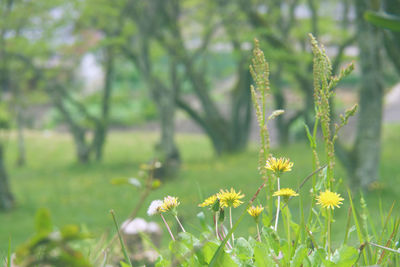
[[22, 41], [282, 33], [389, 19]]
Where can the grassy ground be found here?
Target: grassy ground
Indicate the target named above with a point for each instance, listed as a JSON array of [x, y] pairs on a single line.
[[82, 194]]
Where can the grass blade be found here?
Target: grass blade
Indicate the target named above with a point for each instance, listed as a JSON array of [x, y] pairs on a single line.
[[127, 259], [346, 236], [9, 253], [359, 232], [386, 222]]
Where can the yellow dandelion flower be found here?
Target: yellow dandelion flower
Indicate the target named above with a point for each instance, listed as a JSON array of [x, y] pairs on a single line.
[[285, 192], [329, 199], [230, 198], [255, 211], [279, 165], [209, 201], [169, 204]]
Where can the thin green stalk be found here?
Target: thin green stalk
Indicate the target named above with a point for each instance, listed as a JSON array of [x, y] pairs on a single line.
[[288, 231], [216, 223], [127, 259], [166, 225], [385, 248], [179, 222], [9, 253], [393, 234], [258, 233], [359, 233], [386, 222], [346, 235], [230, 222], [277, 208], [329, 234], [301, 186], [222, 245], [302, 222]]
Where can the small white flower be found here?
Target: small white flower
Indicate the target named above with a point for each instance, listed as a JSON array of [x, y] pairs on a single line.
[[138, 225], [134, 182], [157, 164], [154, 207]]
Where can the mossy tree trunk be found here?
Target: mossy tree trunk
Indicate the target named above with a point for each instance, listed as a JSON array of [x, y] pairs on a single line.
[[21, 158], [100, 132], [228, 132], [163, 87], [6, 197], [363, 160]]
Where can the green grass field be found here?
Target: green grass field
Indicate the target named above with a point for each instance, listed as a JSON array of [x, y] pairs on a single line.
[[82, 194]]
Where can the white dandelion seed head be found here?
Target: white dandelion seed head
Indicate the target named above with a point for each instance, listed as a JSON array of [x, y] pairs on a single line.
[[154, 207]]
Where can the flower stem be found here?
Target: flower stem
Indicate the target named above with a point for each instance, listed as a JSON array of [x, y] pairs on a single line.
[[288, 233], [216, 223], [179, 222], [329, 234], [277, 208], [258, 233], [222, 235], [166, 224], [230, 221]]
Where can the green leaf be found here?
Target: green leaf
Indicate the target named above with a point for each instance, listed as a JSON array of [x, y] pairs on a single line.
[[299, 255], [322, 180], [189, 240], [262, 256], [383, 20], [243, 250], [128, 181], [317, 256], [43, 222], [271, 239], [124, 264], [310, 138], [345, 256], [209, 250], [70, 232], [161, 262], [224, 260], [266, 220]]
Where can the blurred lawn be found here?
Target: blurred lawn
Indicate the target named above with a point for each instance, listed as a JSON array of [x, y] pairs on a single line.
[[82, 194]]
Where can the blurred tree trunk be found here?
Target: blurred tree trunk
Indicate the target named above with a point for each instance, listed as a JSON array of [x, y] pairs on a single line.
[[363, 160], [59, 96], [164, 97], [227, 133], [6, 197], [64, 102], [18, 103], [163, 87], [21, 158], [166, 150], [101, 128], [241, 106]]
